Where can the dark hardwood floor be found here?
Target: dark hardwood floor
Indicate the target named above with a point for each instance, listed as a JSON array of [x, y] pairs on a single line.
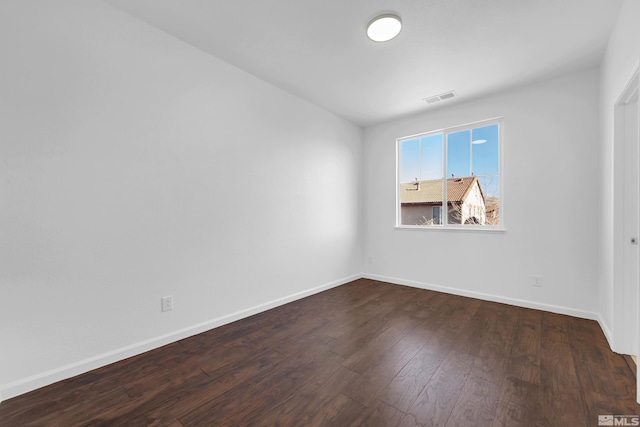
[[363, 354]]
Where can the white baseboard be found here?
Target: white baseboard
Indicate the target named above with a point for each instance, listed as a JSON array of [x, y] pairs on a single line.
[[7, 391], [490, 297], [607, 332]]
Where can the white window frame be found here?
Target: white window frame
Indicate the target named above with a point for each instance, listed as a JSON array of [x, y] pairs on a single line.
[[445, 225]]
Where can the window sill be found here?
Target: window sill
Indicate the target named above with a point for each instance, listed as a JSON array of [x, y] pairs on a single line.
[[468, 228]]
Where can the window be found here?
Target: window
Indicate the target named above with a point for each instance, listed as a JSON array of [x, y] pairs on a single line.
[[469, 157], [436, 214]]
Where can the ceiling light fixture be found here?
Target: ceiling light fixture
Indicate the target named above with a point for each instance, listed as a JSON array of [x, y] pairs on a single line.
[[478, 141], [383, 28]]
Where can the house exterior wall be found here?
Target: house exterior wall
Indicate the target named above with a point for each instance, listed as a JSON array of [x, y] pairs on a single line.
[[416, 214], [474, 205]]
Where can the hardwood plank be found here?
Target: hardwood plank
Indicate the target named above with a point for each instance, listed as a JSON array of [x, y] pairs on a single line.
[[353, 320], [454, 315], [379, 414], [592, 373], [603, 404], [557, 367], [80, 411], [524, 357], [561, 395], [312, 378], [518, 405], [561, 407], [144, 391], [374, 381], [405, 388], [357, 338], [430, 300], [364, 292], [594, 364], [478, 329], [339, 411], [140, 411], [302, 407], [227, 379], [418, 308], [492, 359], [370, 353], [631, 363], [554, 327], [274, 387], [436, 400], [80, 396], [476, 404], [281, 335], [398, 294], [491, 362]]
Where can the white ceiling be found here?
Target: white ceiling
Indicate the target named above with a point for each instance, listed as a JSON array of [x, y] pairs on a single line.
[[318, 49]]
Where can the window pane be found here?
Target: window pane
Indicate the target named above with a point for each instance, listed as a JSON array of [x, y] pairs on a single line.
[[409, 160], [421, 174], [473, 184], [430, 186], [485, 164], [459, 154], [432, 157], [485, 150]]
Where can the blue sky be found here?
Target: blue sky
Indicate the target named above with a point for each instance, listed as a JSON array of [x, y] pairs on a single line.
[[421, 157]]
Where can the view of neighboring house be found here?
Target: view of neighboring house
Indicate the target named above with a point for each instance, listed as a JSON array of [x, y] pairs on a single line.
[[421, 202], [493, 210]]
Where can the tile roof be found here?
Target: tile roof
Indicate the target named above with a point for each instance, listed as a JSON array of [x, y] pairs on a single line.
[[431, 191]]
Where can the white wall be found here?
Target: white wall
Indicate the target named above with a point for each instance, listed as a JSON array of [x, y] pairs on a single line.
[[621, 59], [551, 178], [135, 166]]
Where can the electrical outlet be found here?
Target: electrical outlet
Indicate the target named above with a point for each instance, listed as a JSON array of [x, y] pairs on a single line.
[[537, 280], [167, 303]]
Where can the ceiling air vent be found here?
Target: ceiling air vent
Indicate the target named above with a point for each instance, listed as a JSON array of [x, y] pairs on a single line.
[[441, 97]]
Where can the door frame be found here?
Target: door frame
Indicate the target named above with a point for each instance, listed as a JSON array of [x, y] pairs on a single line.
[[625, 314]]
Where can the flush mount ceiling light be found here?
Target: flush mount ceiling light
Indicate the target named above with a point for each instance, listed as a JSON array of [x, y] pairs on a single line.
[[384, 27]]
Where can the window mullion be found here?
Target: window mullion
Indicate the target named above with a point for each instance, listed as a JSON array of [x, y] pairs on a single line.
[[470, 152], [445, 172]]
